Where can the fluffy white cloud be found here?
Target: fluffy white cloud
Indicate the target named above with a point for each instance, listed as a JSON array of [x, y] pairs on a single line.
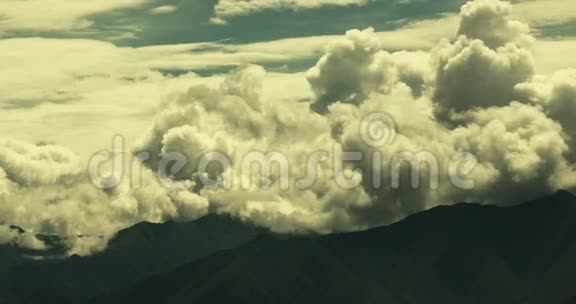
[[235, 120], [487, 61], [489, 21], [80, 92], [556, 95], [33, 165], [562, 102], [357, 66], [469, 74], [47, 190], [520, 144], [21, 239], [352, 68]]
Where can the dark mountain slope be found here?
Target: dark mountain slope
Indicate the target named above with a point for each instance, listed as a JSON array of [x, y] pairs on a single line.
[[12, 255], [460, 254], [133, 255]]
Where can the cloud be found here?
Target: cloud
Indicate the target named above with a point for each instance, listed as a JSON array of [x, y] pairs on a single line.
[[225, 9], [351, 69], [524, 147], [556, 95], [20, 239], [55, 15], [165, 9], [32, 165], [357, 66], [85, 90], [233, 119], [477, 93], [489, 22], [470, 74], [47, 190], [545, 12], [95, 88]]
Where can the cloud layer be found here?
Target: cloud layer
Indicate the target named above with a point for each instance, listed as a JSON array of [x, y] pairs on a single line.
[[55, 15], [229, 8]]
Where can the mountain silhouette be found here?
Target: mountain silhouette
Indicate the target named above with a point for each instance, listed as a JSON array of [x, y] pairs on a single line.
[[465, 253], [132, 255]]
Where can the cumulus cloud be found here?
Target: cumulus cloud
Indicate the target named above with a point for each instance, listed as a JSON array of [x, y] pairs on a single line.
[[34, 165], [490, 22], [22, 239], [469, 74], [46, 190], [474, 98], [562, 101], [235, 121], [487, 61], [556, 94], [353, 68], [357, 65], [521, 146]]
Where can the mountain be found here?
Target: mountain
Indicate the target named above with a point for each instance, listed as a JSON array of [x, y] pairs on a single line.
[[132, 255], [465, 253], [11, 255]]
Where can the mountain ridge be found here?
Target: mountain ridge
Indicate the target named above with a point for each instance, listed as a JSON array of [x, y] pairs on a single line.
[[463, 253], [494, 263]]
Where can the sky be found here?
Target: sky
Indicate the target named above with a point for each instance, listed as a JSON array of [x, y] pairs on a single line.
[[491, 78], [61, 68]]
